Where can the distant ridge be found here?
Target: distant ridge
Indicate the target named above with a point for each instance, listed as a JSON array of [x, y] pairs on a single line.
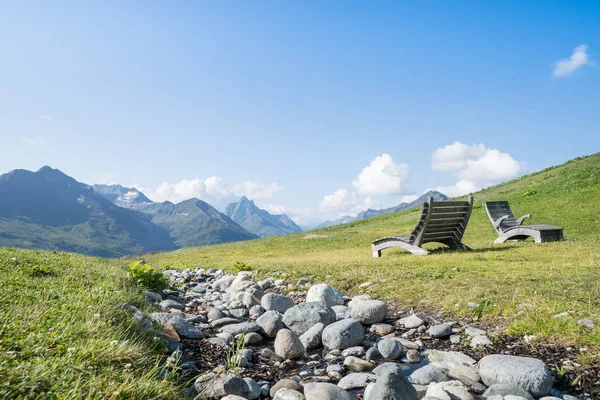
[[259, 221], [121, 196], [437, 196]]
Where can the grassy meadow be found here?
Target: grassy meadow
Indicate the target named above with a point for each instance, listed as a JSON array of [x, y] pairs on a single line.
[[550, 277]]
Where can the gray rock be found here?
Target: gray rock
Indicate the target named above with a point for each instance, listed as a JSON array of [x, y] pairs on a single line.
[[373, 354], [303, 316], [480, 341], [277, 302], [391, 385], [270, 322], [311, 339], [239, 313], [343, 334], [233, 397], [252, 389], [454, 339], [242, 327], [167, 304], [288, 394], [441, 330], [381, 329], [218, 323], [369, 311], [325, 294], [252, 297], [357, 364], [287, 384], [387, 367], [413, 356], [356, 380], [252, 339], [530, 374], [586, 322], [257, 310], [427, 374], [153, 296], [183, 328], [356, 351], [449, 390], [215, 386], [390, 349], [341, 312], [506, 389], [287, 345], [472, 331], [450, 356], [411, 322], [325, 391]]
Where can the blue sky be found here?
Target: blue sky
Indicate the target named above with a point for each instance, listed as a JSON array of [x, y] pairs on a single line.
[[315, 108]]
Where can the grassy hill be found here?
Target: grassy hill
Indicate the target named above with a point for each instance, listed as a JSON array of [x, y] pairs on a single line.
[[551, 277]]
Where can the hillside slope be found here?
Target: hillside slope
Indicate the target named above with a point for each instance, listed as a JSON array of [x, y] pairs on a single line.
[[552, 277]]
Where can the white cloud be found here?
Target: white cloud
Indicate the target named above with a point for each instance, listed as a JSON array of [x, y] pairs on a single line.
[[214, 190], [409, 197], [344, 203], [475, 166], [567, 66], [382, 177], [46, 118], [37, 140], [298, 215]]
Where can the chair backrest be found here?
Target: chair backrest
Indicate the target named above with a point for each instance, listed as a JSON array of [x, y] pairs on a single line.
[[442, 221], [498, 209]]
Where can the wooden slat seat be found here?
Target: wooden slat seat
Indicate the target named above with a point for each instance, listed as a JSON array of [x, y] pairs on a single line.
[[440, 221], [510, 228]]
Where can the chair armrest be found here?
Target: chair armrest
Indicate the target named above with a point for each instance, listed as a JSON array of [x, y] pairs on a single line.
[[523, 218], [499, 221]]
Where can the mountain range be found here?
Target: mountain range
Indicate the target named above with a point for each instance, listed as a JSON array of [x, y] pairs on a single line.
[[369, 213], [258, 221]]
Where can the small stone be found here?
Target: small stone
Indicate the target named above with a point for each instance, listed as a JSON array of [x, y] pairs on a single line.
[[413, 356], [343, 334], [325, 391], [212, 385], [167, 304], [287, 345], [270, 323], [256, 310], [382, 329], [270, 354], [252, 339], [480, 341], [373, 354], [410, 322], [303, 316], [530, 374], [357, 365], [454, 339], [285, 383], [325, 294], [390, 349], [472, 331], [506, 389], [277, 302], [356, 380], [472, 304], [311, 339], [341, 312], [356, 351], [391, 385], [586, 322], [427, 374], [252, 390], [441, 330], [369, 311], [288, 394], [243, 327]]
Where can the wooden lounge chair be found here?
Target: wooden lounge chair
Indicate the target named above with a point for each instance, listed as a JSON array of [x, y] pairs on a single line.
[[441, 221], [509, 228]]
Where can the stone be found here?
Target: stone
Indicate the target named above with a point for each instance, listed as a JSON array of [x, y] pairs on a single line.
[[183, 328], [288, 394], [270, 323], [325, 294], [450, 356], [413, 356], [287, 384], [454, 339], [391, 385], [256, 310], [242, 327], [356, 380], [426, 375], [480, 341], [303, 316], [369, 311], [382, 329], [356, 351], [325, 391], [252, 297], [373, 354], [252, 339], [411, 322], [506, 389], [357, 364], [167, 304], [239, 313], [390, 349], [252, 389], [233, 397], [441, 330], [277, 302], [452, 390], [216, 386], [270, 354], [287, 345], [343, 334], [586, 322], [311, 339], [472, 331], [218, 323], [341, 312], [530, 374]]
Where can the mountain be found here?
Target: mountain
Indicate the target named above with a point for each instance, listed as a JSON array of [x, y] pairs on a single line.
[[47, 209], [194, 223], [121, 196], [437, 196], [259, 221]]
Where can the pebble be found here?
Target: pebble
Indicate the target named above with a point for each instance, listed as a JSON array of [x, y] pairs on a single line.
[[441, 330], [390, 349]]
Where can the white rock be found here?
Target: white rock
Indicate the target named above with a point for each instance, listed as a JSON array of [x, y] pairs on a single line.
[[326, 294]]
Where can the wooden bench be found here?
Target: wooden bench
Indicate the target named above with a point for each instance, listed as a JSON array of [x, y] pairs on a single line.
[[441, 222], [510, 228]]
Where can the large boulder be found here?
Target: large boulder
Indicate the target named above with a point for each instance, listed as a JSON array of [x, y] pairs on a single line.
[[303, 316], [343, 334], [311, 339], [325, 294], [529, 373], [325, 391], [369, 311], [287, 345], [391, 385], [277, 302]]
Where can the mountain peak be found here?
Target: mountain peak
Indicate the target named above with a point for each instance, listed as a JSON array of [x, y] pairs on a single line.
[[259, 221]]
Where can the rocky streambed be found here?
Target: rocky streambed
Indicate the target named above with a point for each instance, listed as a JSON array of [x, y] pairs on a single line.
[[242, 339]]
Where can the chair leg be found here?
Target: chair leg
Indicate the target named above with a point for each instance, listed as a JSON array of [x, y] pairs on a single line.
[[376, 253]]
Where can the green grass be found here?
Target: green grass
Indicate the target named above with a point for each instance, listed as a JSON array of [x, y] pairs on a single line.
[[63, 334], [552, 277]]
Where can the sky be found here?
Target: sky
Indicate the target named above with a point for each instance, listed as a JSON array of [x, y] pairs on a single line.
[[313, 108]]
